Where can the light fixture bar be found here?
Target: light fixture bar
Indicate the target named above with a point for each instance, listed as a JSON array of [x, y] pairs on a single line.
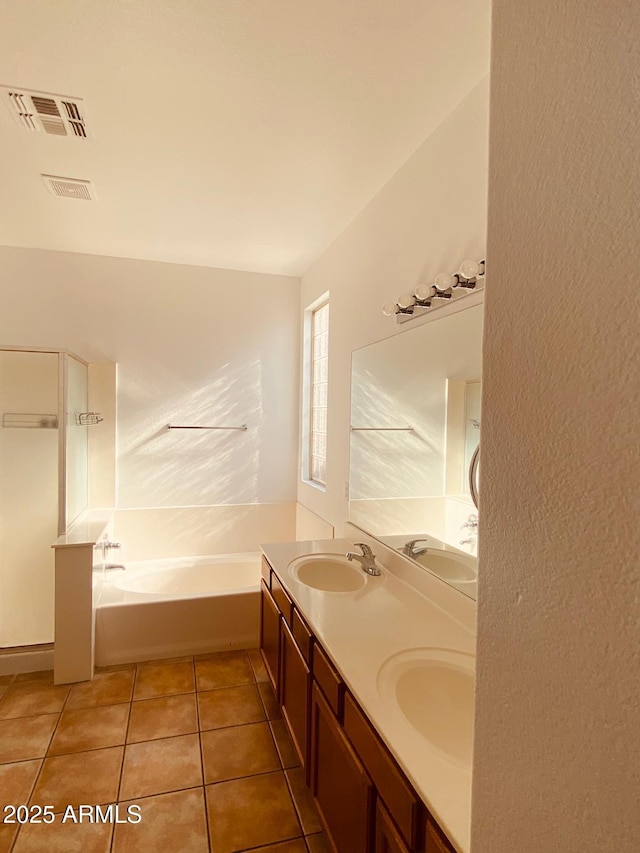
[[428, 297]]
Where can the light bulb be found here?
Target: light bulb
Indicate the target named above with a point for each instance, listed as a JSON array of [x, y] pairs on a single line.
[[444, 281], [389, 309], [469, 269], [424, 292], [406, 300]]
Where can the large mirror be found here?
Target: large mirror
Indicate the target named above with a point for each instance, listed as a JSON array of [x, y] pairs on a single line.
[[415, 430]]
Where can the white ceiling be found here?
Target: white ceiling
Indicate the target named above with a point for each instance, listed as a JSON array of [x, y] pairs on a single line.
[[243, 134]]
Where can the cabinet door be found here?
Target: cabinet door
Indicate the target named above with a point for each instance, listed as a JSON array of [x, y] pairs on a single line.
[[270, 636], [435, 841], [388, 839], [341, 788], [295, 693]]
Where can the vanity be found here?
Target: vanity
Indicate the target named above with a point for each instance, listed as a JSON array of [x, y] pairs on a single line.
[[374, 676]]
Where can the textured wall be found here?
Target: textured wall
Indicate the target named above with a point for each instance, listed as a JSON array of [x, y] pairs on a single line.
[[557, 755]]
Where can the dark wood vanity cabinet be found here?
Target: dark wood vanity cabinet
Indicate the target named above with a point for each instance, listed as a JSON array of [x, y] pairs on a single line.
[[339, 783], [295, 693], [365, 801], [270, 636], [387, 837]]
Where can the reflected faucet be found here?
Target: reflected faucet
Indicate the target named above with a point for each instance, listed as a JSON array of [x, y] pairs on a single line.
[[367, 559], [410, 548]]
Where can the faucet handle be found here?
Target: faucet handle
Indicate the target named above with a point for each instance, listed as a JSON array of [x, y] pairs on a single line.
[[366, 550], [108, 546]]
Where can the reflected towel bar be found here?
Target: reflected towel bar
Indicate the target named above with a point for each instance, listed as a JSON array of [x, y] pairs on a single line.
[[172, 426], [382, 429]]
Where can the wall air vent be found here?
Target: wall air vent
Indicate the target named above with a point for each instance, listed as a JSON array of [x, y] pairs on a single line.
[[57, 115], [69, 187]]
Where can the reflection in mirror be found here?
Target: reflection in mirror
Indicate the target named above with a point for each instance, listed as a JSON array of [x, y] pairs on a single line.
[[415, 426]]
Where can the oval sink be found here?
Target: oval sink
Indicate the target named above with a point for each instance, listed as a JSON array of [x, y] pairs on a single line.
[[433, 691], [449, 566], [328, 572]]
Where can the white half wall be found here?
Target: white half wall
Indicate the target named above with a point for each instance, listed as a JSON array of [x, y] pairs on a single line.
[[557, 749], [428, 218]]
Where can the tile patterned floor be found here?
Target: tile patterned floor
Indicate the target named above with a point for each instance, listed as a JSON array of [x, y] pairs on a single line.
[[197, 743]]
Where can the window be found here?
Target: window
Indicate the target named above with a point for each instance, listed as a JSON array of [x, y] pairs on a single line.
[[318, 385]]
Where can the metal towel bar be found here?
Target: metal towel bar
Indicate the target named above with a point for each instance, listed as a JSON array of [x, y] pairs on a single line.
[[241, 427]]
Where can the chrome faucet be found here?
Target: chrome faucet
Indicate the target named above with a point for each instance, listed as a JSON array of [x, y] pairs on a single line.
[[471, 524], [367, 559], [410, 548], [109, 546]]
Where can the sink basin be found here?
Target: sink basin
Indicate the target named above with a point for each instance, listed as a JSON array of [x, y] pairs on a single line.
[[432, 691], [328, 572], [448, 565]]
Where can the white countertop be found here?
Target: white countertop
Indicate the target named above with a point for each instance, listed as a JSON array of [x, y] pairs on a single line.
[[87, 529], [362, 630]]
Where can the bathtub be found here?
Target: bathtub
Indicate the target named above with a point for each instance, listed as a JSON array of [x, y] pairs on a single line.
[[165, 608]]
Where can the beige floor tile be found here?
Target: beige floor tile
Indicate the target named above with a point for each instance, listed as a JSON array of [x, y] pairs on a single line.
[[318, 843], [162, 661], [26, 737], [250, 812], [159, 766], [238, 751], [43, 676], [82, 778], [107, 688], [303, 801], [271, 707], [6, 679], [170, 822], [259, 669], [226, 669], [116, 667], [16, 782], [67, 837], [165, 716], [90, 728], [3, 690], [286, 751], [295, 846], [26, 700], [164, 680], [229, 706]]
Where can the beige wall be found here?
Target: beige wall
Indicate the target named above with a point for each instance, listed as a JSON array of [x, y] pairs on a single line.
[[427, 219], [193, 346], [557, 750]]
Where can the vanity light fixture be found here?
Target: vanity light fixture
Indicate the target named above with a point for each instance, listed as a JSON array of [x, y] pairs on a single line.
[[469, 276]]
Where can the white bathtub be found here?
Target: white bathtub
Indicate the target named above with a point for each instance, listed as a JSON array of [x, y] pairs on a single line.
[[164, 608]]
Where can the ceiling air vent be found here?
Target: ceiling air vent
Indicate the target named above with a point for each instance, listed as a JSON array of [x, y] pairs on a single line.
[[69, 187], [58, 115]]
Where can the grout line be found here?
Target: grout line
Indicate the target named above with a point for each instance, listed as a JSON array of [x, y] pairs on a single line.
[[204, 779], [124, 750]]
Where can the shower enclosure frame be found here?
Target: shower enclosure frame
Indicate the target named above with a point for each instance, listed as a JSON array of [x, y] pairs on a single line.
[[63, 380]]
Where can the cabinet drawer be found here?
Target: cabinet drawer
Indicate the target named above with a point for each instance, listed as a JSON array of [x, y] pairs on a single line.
[[302, 636], [328, 680], [403, 803], [281, 598]]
